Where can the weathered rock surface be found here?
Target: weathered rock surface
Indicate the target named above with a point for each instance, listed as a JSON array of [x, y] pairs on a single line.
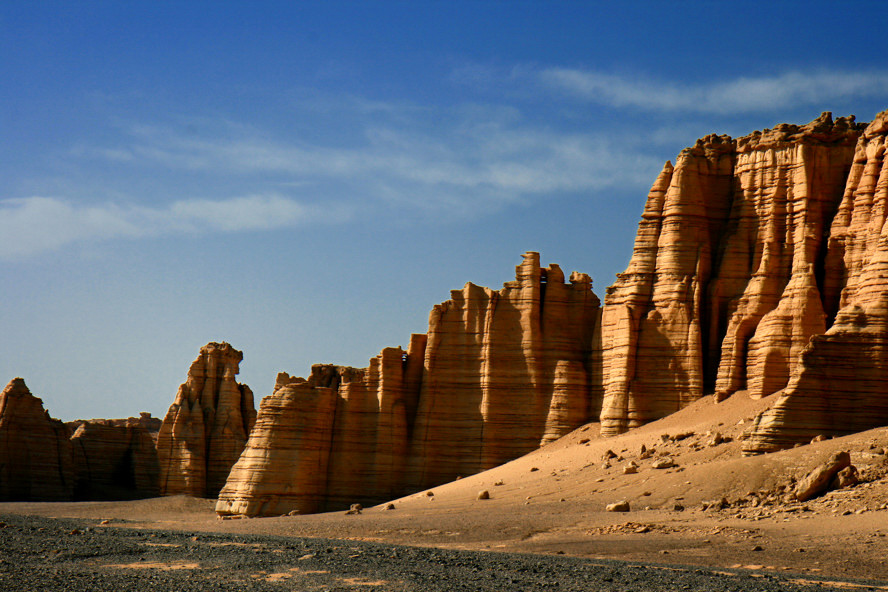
[[114, 461], [206, 427], [839, 385], [724, 287], [818, 480], [145, 419], [35, 451], [499, 373]]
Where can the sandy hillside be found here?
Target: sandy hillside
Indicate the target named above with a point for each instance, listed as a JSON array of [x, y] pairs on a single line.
[[714, 507]]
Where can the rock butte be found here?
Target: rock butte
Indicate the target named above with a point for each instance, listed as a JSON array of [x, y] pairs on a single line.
[[747, 249], [759, 267], [207, 425]]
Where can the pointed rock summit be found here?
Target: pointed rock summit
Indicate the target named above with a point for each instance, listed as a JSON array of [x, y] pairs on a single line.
[[35, 452], [207, 425]]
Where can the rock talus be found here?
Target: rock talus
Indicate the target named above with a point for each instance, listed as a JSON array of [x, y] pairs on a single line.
[[499, 373], [206, 427], [35, 450]]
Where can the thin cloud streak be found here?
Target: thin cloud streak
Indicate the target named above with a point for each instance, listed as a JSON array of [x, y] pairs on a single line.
[[742, 95], [34, 225]]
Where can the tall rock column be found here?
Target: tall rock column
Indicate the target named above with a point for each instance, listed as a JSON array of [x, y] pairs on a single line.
[[839, 385], [207, 425], [35, 452], [724, 287], [504, 372]]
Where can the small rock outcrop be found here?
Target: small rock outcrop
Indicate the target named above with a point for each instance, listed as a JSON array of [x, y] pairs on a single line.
[[818, 480], [499, 373], [35, 450], [206, 427]]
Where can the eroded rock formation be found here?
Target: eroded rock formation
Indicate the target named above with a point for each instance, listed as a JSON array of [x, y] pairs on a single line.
[[35, 452], [499, 373], [206, 427], [839, 386], [726, 284], [114, 459]]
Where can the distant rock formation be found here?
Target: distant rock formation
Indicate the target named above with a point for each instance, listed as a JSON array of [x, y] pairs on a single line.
[[206, 427], [35, 452], [114, 459], [145, 419], [839, 386], [499, 373], [727, 282]]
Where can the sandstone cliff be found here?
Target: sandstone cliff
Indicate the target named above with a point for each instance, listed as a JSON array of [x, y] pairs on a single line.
[[35, 452], [726, 284], [207, 425], [499, 373], [838, 386], [114, 459]]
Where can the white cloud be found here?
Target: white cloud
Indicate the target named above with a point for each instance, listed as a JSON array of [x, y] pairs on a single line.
[[740, 95], [40, 224]]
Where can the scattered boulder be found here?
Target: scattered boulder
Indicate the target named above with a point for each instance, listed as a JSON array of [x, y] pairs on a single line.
[[355, 509], [663, 463], [630, 469], [847, 477], [621, 506], [817, 481], [483, 494]]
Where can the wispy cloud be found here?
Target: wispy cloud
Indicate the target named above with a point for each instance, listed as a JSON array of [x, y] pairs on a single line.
[[740, 95], [39, 224]]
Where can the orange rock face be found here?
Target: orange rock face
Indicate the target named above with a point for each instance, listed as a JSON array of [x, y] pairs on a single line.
[[725, 285], [114, 460], [35, 452], [838, 386], [207, 425], [499, 373]]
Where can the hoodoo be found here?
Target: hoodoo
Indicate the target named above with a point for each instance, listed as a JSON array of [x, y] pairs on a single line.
[[207, 425]]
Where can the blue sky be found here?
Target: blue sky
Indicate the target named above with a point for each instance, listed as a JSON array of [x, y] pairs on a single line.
[[306, 179]]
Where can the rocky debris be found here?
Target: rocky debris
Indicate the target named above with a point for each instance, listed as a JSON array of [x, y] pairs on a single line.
[[847, 477], [206, 427], [630, 468], [499, 373], [722, 291], [355, 509], [35, 449], [817, 481], [663, 463], [483, 494], [621, 506]]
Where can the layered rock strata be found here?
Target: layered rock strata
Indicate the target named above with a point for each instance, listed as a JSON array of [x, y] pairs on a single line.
[[726, 284], [839, 386], [498, 374], [114, 460], [35, 450], [206, 427]]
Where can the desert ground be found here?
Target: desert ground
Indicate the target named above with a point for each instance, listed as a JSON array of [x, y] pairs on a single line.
[[714, 508]]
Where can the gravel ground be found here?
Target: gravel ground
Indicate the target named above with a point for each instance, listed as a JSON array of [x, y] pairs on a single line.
[[43, 554]]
